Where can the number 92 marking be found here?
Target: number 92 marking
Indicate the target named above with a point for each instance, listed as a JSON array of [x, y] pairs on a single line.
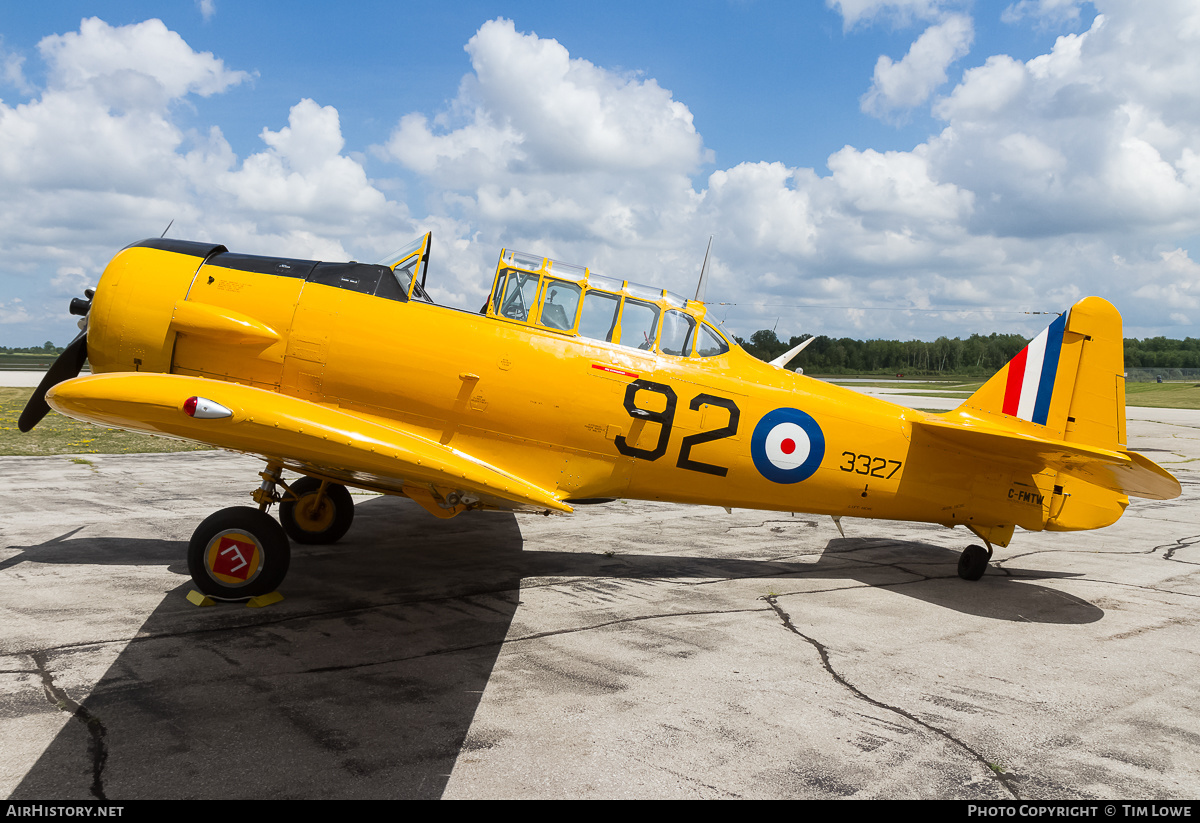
[[868, 465], [666, 419]]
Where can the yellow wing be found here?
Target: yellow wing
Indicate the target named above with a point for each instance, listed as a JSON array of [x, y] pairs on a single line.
[[300, 435]]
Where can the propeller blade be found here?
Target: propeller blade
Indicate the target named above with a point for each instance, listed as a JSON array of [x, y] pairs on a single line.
[[68, 365]]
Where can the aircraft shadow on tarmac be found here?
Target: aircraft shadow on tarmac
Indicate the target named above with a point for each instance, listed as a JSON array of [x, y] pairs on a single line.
[[364, 681]]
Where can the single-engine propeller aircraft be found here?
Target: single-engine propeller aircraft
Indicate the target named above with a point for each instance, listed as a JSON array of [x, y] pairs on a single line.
[[567, 388]]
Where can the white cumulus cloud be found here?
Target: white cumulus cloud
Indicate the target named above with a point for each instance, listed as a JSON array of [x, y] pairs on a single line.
[[1075, 172], [909, 82], [95, 159], [898, 12], [1043, 11], [529, 107]]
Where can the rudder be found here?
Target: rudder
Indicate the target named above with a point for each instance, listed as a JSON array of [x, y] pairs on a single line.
[[1069, 381]]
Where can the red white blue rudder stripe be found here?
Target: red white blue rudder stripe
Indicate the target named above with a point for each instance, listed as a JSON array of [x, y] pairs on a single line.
[[1032, 374]]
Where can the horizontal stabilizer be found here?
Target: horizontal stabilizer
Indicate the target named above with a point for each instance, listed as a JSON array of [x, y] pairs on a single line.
[[782, 360], [299, 434], [1124, 472]]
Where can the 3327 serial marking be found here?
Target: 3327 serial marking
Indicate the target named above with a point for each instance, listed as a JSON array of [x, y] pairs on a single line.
[[869, 465]]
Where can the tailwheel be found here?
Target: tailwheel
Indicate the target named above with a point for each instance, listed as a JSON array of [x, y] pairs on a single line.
[[316, 512], [972, 563], [238, 553]]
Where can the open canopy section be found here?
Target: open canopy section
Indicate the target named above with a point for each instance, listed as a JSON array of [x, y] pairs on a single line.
[[570, 299], [410, 265]]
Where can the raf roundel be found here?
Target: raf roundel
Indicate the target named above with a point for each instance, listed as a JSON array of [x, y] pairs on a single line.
[[787, 446]]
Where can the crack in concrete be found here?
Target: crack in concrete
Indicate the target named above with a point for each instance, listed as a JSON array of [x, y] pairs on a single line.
[[1180, 543], [791, 521], [688, 778], [540, 635], [97, 748], [1005, 780], [525, 638], [1084, 578], [1171, 549]]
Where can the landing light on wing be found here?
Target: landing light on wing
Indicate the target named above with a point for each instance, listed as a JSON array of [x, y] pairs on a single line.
[[205, 409]]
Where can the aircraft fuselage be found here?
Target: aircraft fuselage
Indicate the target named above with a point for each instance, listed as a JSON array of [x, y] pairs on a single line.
[[586, 418]]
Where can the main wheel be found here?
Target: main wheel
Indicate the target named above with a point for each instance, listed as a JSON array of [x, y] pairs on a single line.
[[972, 563], [238, 553], [313, 518]]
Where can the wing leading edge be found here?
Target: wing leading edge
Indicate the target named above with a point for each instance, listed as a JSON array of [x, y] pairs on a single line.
[[299, 434]]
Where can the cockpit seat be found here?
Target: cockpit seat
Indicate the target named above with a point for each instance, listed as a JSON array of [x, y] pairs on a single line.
[[554, 316]]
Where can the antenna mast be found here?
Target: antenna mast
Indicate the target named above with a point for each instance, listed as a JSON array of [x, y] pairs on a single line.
[[703, 273]]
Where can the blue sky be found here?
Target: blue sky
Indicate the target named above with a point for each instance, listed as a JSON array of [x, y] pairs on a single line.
[[860, 162], [778, 80]]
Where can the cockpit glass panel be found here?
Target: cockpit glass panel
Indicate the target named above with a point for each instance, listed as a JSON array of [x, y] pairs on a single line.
[[525, 261], [560, 305], [568, 270], [677, 334], [596, 281], [400, 256], [639, 324], [520, 292], [599, 315], [709, 343], [406, 265], [404, 272], [644, 292]]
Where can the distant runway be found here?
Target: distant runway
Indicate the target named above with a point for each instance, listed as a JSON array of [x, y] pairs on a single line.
[[23, 378], [20, 378]]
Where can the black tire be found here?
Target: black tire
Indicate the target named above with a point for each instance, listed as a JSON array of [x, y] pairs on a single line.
[[217, 554], [972, 563], [328, 524]]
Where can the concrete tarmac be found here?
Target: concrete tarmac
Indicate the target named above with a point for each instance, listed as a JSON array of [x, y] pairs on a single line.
[[630, 650]]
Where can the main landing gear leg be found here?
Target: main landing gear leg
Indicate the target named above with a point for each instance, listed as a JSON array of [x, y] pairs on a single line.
[[242, 553]]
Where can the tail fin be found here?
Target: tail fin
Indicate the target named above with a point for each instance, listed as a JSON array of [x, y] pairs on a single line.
[[1057, 410], [1070, 380]]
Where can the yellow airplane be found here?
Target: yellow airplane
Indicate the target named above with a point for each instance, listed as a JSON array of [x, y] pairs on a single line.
[[566, 388]]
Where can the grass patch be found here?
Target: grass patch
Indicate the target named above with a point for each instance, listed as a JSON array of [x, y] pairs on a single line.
[[1163, 395], [23, 360], [61, 435], [919, 388], [1145, 395]]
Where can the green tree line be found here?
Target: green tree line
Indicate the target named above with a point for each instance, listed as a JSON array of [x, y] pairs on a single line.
[[978, 355], [48, 348]]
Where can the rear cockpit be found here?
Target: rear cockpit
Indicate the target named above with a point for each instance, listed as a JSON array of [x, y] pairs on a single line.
[[544, 293]]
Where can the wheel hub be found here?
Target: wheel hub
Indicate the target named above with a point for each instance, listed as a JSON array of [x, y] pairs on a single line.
[[314, 513], [233, 558]]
